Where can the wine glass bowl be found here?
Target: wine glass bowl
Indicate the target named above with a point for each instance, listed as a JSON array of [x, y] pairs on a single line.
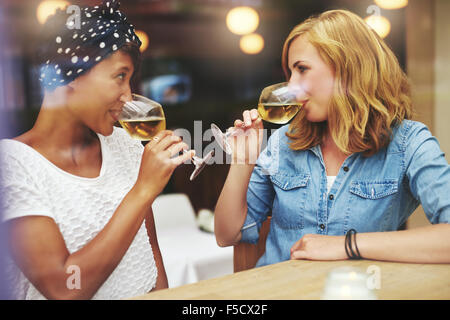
[[221, 138], [143, 118], [278, 103]]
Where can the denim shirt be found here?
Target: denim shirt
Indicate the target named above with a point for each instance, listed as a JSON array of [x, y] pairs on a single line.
[[370, 194]]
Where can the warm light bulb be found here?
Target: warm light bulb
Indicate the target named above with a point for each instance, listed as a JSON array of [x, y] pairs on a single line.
[[48, 7], [242, 20], [144, 39], [380, 24], [251, 43], [391, 4]]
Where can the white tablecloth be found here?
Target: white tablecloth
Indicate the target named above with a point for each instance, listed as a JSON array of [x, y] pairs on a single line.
[[193, 256], [189, 254]]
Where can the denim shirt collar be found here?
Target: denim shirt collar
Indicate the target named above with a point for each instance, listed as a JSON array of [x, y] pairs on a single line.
[[317, 150]]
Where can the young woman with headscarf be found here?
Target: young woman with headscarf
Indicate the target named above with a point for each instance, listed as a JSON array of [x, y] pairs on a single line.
[[78, 191]]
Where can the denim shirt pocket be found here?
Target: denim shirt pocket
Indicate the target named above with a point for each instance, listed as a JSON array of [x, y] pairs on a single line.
[[374, 189], [370, 204], [288, 205]]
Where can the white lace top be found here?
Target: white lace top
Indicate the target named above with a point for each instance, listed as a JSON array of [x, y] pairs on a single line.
[[81, 207]]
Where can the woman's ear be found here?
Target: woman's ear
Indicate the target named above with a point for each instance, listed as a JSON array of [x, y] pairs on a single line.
[[71, 91], [72, 85], [80, 82]]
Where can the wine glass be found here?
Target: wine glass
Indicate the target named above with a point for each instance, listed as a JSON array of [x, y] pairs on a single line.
[[143, 118], [278, 104]]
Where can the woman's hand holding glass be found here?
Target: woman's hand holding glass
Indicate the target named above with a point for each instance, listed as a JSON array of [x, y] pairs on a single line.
[[159, 160], [246, 138], [278, 103]]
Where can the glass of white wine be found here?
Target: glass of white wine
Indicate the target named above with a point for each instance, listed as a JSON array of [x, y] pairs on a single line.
[[278, 104], [143, 118]]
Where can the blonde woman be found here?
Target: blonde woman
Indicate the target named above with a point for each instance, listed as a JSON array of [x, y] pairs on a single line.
[[350, 168]]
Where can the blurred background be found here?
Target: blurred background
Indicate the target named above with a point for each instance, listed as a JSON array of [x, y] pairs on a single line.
[[204, 62]]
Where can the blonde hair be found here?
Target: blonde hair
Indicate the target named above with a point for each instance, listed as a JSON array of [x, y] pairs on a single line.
[[371, 92]]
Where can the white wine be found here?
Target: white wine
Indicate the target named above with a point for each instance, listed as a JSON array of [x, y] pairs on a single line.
[[279, 113], [144, 129]]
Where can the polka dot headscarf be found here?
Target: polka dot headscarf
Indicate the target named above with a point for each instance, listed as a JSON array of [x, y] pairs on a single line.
[[68, 52]]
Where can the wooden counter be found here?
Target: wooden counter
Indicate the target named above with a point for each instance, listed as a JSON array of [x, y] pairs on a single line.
[[299, 279]]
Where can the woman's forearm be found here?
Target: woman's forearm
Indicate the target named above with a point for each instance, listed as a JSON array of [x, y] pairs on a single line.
[[231, 208], [430, 244]]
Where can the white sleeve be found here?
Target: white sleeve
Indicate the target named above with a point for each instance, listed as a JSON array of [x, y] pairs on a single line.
[[20, 193]]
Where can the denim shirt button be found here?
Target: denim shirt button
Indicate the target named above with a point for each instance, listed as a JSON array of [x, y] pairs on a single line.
[[331, 197], [346, 169], [322, 226]]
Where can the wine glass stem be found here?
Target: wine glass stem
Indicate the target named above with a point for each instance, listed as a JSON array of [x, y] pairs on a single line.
[[231, 132]]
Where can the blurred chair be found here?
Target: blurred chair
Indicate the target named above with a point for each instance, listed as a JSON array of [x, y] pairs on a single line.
[[189, 254], [246, 255]]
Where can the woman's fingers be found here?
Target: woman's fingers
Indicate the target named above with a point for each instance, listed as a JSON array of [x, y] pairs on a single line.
[[251, 118], [297, 251], [158, 137], [175, 148], [183, 158], [254, 114], [259, 124], [167, 142], [247, 118], [298, 254], [297, 245], [238, 123]]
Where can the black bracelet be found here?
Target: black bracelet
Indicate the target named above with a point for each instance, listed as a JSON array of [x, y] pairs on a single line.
[[347, 238], [356, 247], [348, 245]]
